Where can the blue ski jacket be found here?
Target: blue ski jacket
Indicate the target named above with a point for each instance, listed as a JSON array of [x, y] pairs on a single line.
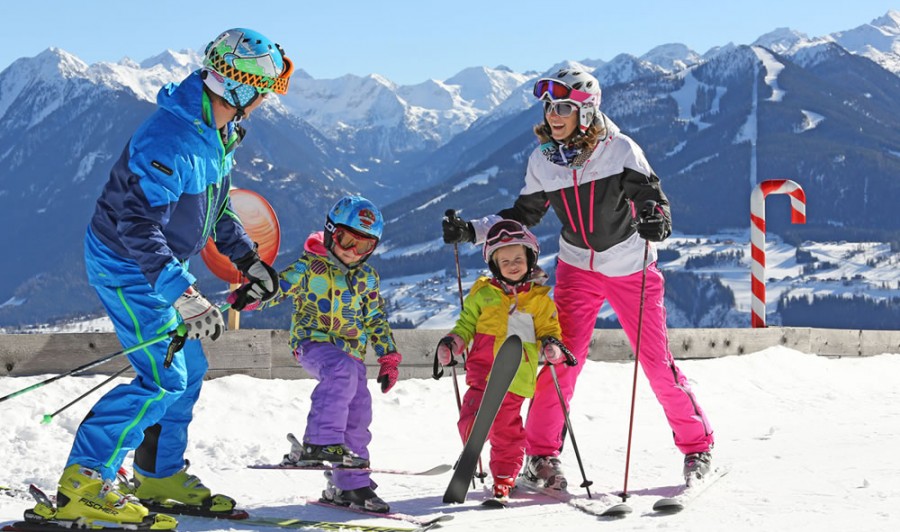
[[166, 195]]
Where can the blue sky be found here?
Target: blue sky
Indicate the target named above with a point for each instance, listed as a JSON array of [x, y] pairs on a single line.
[[412, 41]]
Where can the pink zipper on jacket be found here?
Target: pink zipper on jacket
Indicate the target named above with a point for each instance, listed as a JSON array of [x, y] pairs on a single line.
[[578, 208]]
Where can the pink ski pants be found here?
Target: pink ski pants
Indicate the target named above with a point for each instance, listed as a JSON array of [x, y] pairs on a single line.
[[507, 435], [578, 295]]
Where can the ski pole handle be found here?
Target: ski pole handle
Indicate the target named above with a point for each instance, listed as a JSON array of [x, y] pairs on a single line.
[[179, 337]]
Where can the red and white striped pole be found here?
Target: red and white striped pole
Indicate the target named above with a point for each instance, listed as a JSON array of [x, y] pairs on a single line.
[[758, 238]]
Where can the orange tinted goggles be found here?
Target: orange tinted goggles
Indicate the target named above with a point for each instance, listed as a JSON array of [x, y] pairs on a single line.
[[264, 83], [354, 242]]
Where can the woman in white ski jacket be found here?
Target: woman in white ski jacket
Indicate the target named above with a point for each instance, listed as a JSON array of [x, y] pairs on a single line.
[[612, 209]]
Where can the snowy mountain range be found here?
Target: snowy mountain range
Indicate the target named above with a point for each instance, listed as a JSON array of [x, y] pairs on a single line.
[[822, 111]]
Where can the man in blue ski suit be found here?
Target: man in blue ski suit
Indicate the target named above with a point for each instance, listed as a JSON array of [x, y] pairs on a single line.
[[166, 195]]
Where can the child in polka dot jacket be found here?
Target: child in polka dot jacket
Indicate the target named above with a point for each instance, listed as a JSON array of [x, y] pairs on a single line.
[[338, 311]]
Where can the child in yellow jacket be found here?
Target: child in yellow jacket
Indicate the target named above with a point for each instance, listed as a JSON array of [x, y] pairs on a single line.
[[510, 302]]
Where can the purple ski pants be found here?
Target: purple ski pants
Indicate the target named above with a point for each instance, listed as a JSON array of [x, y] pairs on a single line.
[[578, 295], [341, 409]]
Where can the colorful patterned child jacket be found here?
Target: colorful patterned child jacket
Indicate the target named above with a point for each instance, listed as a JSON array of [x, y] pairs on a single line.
[[335, 304]]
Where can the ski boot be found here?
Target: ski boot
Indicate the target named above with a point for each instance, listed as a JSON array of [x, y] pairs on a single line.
[[85, 500], [545, 472], [181, 493], [363, 498], [502, 487], [696, 466], [310, 454]]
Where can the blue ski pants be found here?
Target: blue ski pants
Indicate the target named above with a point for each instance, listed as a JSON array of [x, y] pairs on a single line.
[[159, 399]]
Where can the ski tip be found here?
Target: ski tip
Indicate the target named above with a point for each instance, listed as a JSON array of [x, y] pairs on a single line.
[[617, 510], [437, 470], [494, 503], [449, 499], [668, 506]]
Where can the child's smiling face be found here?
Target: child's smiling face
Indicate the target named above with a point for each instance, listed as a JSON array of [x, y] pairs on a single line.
[[512, 261]]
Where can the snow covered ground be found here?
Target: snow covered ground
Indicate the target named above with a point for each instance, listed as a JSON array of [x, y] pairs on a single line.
[[810, 442]]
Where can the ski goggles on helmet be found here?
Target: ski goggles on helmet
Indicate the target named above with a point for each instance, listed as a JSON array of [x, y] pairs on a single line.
[[551, 89], [349, 240], [261, 82], [504, 231], [561, 108]]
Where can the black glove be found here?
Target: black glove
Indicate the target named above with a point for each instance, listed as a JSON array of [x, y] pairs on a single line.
[[263, 285], [456, 229], [652, 222]]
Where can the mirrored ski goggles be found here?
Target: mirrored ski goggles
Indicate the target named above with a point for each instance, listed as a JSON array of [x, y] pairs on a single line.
[[263, 83], [504, 232], [551, 89], [561, 108], [350, 240]]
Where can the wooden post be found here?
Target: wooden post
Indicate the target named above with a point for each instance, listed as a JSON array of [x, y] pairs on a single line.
[[234, 317]]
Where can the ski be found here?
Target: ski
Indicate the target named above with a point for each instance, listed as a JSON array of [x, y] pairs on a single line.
[[414, 519], [176, 508], [25, 526], [494, 502], [328, 525], [506, 364], [437, 470], [678, 501], [602, 505], [36, 523]]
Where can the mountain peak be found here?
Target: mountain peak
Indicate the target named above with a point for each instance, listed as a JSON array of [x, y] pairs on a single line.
[[58, 61], [171, 59], [890, 21], [672, 57], [781, 40]]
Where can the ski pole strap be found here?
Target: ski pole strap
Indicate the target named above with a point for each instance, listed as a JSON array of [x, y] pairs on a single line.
[[438, 371], [179, 337], [570, 358]]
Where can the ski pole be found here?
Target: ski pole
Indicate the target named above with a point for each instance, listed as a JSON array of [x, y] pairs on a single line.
[[49, 417], [450, 213], [586, 484], [637, 354], [570, 361], [89, 365], [179, 336], [481, 474]]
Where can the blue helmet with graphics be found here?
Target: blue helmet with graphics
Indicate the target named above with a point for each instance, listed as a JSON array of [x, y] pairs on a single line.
[[242, 64], [355, 224]]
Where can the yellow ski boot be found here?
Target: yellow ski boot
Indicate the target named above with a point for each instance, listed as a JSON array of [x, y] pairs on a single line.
[[181, 493], [86, 500]]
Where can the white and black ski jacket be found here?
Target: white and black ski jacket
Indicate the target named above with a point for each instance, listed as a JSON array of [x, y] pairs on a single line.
[[596, 204]]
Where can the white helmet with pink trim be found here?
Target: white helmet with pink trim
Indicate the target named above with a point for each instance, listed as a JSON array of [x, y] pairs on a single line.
[[575, 86], [510, 233]]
